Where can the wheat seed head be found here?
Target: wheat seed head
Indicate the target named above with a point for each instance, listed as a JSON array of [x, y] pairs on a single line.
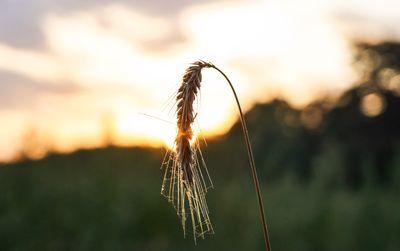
[[185, 116], [184, 183]]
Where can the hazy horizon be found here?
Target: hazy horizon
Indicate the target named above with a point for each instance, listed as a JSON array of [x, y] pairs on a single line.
[[70, 71]]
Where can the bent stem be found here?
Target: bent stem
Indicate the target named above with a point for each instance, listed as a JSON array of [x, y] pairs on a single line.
[[252, 162]]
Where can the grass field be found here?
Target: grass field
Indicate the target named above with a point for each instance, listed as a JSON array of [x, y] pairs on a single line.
[[109, 199]]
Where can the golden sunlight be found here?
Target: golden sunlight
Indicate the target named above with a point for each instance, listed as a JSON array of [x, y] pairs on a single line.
[[139, 129], [123, 63]]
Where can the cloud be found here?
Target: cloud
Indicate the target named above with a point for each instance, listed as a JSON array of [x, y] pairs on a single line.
[[33, 64], [373, 19], [18, 92], [20, 21], [100, 49]]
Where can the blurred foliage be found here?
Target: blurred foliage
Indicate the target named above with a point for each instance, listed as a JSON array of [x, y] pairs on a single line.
[[330, 175]]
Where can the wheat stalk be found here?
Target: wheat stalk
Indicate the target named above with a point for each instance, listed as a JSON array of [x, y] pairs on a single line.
[[184, 184]]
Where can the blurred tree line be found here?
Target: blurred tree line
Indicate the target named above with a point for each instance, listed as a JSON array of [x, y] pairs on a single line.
[[330, 175], [361, 127]]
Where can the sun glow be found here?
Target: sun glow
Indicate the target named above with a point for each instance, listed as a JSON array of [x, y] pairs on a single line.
[[122, 63], [139, 129]]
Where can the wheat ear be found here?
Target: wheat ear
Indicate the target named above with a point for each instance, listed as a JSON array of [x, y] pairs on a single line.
[[184, 183], [183, 174]]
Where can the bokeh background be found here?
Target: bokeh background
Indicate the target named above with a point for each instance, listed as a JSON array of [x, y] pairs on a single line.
[[87, 114]]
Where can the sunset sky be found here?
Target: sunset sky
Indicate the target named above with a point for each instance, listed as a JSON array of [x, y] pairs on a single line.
[[73, 73]]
